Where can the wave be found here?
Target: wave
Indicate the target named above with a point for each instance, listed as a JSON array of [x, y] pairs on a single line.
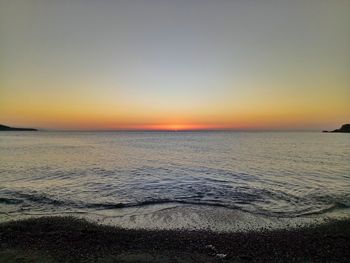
[[39, 199], [332, 207], [45, 200], [16, 197], [154, 202], [10, 201]]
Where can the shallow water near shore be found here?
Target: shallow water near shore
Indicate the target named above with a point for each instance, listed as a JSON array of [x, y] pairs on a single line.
[[215, 180]]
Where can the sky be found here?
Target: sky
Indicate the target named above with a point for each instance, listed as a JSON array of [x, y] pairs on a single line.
[[174, 65]]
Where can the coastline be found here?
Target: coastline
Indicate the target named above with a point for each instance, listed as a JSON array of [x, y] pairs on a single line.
[[69, 239], [185, 216]]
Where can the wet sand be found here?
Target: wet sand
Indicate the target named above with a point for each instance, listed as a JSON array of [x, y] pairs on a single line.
[[67, 239]]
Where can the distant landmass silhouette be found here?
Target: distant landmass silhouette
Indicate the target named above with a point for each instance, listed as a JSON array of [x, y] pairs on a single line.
[[343, 128], [7, 128]]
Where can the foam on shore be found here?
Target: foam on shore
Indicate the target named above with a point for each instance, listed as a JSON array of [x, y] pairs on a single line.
[[190, 217]]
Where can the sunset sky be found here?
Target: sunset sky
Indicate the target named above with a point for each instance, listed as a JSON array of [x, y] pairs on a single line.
[[184, 64]]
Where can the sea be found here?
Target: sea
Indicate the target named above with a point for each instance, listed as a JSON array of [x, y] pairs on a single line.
[[217, 180]]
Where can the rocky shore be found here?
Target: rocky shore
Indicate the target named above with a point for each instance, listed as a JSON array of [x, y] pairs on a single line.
[[344, 128], [67, 239], [7, 128]]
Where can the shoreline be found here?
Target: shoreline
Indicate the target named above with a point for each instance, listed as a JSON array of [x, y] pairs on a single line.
[[189, 217], [69, 239]]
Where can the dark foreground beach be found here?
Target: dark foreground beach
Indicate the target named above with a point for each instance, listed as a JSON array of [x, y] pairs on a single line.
[[66, 239]]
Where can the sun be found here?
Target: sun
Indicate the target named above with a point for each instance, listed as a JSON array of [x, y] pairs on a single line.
[[177, 127]]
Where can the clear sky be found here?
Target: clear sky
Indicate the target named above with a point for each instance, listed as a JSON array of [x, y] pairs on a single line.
[[166, 64]]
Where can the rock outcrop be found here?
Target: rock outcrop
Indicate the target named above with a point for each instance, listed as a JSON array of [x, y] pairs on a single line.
[[343, 128], [7, 128]]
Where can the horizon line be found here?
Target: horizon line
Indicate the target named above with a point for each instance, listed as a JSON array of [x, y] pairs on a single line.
[[214, 129], [181, 130]]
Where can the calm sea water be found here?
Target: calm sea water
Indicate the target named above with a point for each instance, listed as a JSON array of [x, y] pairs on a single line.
[[278, 174]]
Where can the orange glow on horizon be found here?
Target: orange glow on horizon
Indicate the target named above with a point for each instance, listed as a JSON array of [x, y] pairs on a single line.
[[175, 127]]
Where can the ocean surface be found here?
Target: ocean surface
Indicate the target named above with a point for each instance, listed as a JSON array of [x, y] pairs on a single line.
[[119, 174]]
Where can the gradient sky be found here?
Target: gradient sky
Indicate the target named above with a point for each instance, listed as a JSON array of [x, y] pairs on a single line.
[[184, 64]]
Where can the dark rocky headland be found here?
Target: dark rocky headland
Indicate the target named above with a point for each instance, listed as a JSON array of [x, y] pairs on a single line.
[[7, 128], [67, 239], [343, 128]]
